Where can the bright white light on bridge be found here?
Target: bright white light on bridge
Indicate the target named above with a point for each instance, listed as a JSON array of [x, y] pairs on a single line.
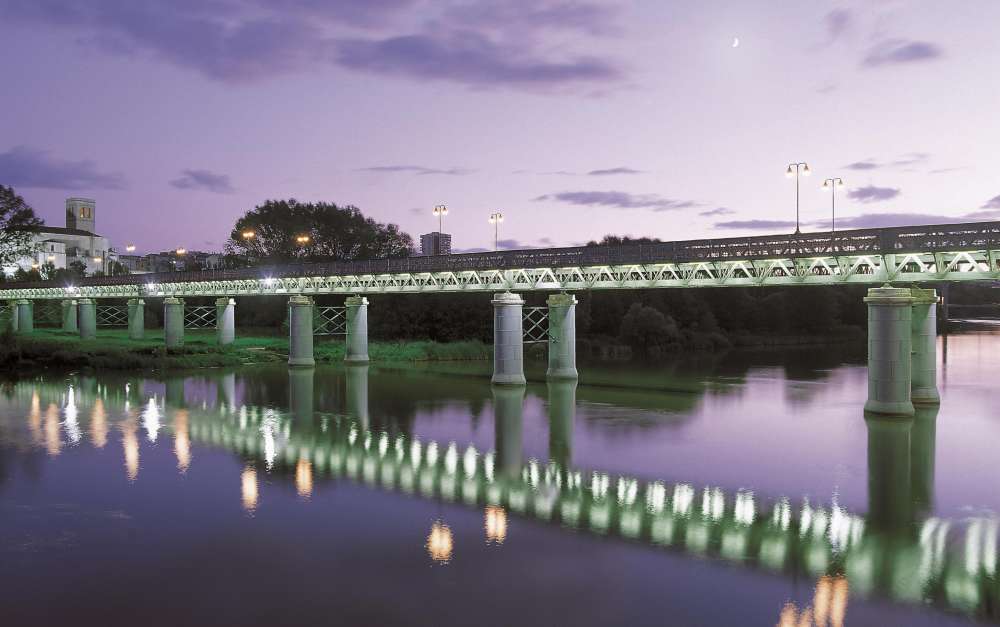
[[268, 281]]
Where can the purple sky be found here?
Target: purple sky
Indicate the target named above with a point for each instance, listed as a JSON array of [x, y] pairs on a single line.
[[576, 118]]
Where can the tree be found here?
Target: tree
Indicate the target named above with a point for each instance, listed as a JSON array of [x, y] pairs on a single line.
[[647, 330], [17, 225], [621, 240], [334, 233]]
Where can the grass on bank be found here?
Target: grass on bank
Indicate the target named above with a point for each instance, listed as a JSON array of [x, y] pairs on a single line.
[[113, 350]]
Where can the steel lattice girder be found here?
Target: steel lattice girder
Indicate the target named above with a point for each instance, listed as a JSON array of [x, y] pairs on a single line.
[[330, 320], [536, 324], [834, 270], [201, 317], [112, 315]]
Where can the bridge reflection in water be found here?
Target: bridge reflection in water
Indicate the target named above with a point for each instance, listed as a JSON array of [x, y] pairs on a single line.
[[896, 550]]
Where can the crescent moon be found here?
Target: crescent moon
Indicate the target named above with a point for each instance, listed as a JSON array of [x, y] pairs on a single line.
[[736, 42]]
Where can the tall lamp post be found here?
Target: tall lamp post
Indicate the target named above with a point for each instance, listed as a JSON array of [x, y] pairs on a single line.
[[833, 184], [495, 219], [795, 169], [440, 211]]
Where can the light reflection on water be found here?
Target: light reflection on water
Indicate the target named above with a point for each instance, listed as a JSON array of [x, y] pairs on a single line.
[[578, 458]]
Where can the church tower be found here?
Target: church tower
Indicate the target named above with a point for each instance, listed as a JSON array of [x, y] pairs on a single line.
[[80, 214]]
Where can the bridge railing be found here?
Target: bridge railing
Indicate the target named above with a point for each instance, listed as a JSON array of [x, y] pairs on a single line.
[[911, 239]]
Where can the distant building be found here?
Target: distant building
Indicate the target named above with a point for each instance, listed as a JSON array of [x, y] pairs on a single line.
[[435, 243], [77, 241]]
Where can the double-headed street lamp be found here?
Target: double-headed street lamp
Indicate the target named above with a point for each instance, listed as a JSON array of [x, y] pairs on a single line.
[[440, 211], [833, 184], [795, 168], [495, 219]]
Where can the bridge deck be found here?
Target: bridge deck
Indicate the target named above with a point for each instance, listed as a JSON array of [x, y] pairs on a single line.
[[920, 253]]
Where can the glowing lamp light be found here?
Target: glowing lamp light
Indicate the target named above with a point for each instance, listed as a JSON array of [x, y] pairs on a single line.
[[248, 234], [35, 265], [181, 251], [52, 257], [440, 210], [789, 172], [97, 260], [302, 239], [440, 543], [130, 248], [496, 217], [805, 170], [495, 524]]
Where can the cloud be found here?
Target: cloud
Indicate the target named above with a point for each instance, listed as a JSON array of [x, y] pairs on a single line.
[[881, 220], [22, 166], [620, 200], [203, 180], [871, 193], [838, 22], [718, 211], [512, 244], [901, 51], [241, 41], [756, 224], [907, 160], [418, 170], [611, 171], [471, 58], [992, 203]]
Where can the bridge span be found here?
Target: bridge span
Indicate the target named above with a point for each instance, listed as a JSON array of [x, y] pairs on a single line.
[[901, 255]]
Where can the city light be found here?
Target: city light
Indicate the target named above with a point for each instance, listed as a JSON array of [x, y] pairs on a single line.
[[98, 260], [130, 248], [52, 257], [302, 239], [34, 265], [181, 251], [496, 524], [248, 234], [440, 211]]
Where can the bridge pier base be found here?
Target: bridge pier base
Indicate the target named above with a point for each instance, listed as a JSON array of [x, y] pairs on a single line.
[[508, 339], [889, 344], [136, 318], [924, 339], [87, 312], [25, 317], [173, 322], [69, 316], [300, 331], [357, 330], [225, 321], [562, 337]]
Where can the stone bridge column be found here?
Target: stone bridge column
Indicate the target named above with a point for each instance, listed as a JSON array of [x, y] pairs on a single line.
[[173, 322], [25, 317], [889, 347], [890, 496], [562, 337], [87, 311], [136, 318], [225, 321], [300, 331], [301, 385], [508, 339], [357, 329], [12, 310], [924, 339], [69, 316]]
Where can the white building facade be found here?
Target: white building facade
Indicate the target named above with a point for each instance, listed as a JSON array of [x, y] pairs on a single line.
[[77, 241]]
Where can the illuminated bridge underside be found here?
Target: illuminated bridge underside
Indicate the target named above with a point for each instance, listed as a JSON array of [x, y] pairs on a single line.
[[952, 564], [834, 270]]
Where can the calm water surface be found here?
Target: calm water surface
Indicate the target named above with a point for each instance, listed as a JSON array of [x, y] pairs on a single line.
[[746, 488]]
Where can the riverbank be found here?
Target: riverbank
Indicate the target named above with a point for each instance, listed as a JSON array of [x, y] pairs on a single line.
[[113, 350]]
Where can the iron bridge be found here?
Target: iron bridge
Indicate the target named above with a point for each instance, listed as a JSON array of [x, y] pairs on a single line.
[[936, 253]]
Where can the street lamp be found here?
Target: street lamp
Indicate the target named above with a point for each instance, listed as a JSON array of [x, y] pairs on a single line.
[[495, 219], [130, 248], [833, 184], [248, 235], [440, 211], [302, 239], [795, 168]]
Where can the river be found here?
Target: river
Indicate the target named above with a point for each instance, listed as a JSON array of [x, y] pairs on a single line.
[[741, 488]]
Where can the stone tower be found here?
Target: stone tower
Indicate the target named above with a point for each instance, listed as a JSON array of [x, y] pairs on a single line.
[[80, 214]]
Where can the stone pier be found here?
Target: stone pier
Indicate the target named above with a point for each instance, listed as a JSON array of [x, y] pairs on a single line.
[[508, 339], [300, 331], [136, 318], [173, 322], [508, 411], [562, 337], [69, 316], [889, 346], [924, 345], [562, 414], [357, 330], [25, 317], [87, 312], [356, 400], [225, 321]]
